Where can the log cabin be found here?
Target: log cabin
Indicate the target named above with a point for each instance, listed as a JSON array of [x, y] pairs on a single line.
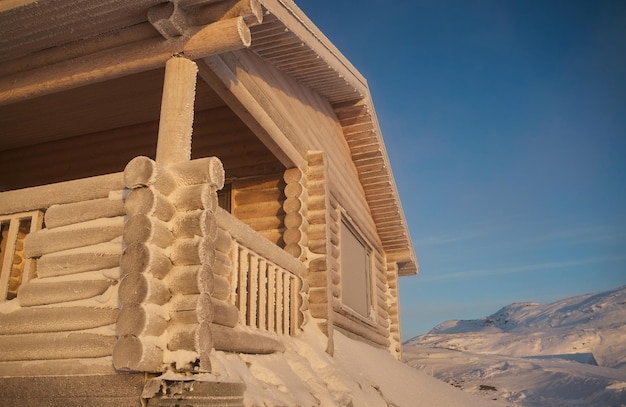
[[181, 177]]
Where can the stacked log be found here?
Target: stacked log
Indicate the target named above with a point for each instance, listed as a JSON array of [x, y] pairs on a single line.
[[319, 277], [174, 293], [296, 235], [324, 268], [67, 312], [334, 264], [258, 202], [168, 265], [395, 335], [295, 207], [381, 290]]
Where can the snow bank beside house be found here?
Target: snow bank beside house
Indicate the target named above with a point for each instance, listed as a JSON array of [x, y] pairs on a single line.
[[357, 375]]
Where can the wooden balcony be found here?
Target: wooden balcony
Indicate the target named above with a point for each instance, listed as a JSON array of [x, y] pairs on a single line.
[[76, 263]]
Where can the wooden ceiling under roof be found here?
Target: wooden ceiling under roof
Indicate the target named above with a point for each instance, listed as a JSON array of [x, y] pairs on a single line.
[[97, 129], [286, 38]]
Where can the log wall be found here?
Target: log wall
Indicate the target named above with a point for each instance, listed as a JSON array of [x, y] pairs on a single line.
[[66, 308], [324, 214], [258, 202], [176, 291], [321, 276], [169, 242]]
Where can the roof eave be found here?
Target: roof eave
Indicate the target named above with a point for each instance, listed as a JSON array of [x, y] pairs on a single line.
[[348, 92]]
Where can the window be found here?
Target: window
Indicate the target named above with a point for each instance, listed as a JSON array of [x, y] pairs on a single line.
[[14, 266], [355, 271], [224, 198]]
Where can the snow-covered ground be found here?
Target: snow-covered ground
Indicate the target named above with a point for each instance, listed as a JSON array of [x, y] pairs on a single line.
[[358, 375], [569, 353]]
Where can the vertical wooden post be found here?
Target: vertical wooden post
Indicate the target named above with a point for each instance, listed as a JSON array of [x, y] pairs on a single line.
[[176, 122]]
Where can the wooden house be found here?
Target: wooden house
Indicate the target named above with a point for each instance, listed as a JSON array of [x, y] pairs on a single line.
[[181, 177]]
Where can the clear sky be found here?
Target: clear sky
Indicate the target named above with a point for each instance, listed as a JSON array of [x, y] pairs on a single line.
[[505, 124]]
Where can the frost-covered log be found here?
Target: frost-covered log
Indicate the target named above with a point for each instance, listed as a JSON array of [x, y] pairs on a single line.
[[186, 337], [141, 320], [192, 197], [45, 196], [43, 293], [221, 288], [89, 258], [207, 171], [58, 345], [133, 354], [204, 308], [57, 319], [183, 280], [141, 228], [76, 212], [192, 251], [176, 118], [222, 265], [182, 337], [145, 258], [82, 234], [142, 288], [149, 201], [231, 340], [143, 172], [194, 223]]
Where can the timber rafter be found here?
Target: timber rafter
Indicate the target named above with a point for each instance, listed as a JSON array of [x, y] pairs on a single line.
[[111, 38]]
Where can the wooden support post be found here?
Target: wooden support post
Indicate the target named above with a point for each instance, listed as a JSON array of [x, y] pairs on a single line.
[[175, 126]]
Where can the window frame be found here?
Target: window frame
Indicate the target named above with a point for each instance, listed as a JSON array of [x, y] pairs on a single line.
[[347, 224]]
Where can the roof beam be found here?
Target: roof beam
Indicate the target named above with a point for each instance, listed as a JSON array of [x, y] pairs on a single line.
[[219, 37], [218, 75]]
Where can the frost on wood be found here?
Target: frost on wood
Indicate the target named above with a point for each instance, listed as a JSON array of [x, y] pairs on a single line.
[[167, 246], [68, 309]]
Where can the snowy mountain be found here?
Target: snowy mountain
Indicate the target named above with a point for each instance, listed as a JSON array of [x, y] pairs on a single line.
[[569, 353]]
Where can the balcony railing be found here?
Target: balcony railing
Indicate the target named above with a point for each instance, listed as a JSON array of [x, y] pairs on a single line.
[[14, 266], [265, 281]]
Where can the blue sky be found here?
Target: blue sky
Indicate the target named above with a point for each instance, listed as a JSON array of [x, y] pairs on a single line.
[[505, 123]]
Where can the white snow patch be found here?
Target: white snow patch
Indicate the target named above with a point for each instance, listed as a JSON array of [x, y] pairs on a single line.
[[534, 355], [357, 375]]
